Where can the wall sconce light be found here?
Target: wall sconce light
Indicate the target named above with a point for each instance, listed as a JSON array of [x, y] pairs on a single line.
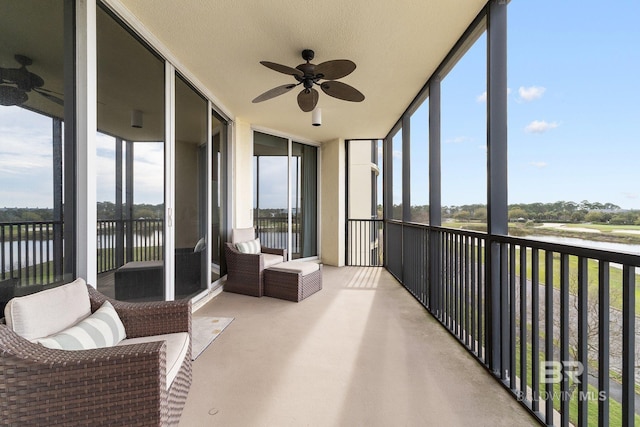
[[316, 117], [136, 118]]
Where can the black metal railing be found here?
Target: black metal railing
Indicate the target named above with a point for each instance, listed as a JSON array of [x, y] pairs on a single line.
[[365, 242], [273, 232], [556, 324], [30, 251], [120, 241]]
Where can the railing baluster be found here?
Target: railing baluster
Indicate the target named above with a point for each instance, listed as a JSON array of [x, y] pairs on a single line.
[[548, 330], [583, 344], [505, 309], [535, 330], [474, 295], [523, 318], [603, 343], [564, 338], [512, 317], [628, 345]]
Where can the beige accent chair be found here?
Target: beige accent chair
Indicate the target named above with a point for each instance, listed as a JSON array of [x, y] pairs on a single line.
[[245, 271]]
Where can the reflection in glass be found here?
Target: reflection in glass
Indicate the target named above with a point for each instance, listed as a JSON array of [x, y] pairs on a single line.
[[190, 190], [36, 148], [304, 212], [131, 199], [270, 162], [275, 219], [218, 167]]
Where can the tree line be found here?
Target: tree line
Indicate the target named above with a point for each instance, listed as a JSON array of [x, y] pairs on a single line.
[[560, 211], [105, 210]]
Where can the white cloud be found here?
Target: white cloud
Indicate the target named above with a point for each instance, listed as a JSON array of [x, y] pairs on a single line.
[[458, 140], [483, 96], [630, 195], [539, 165], [397, 154], [540, 126], [530, 93]]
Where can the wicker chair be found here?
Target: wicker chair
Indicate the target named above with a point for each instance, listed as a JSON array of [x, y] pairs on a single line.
[[121, 385], [245, 272]]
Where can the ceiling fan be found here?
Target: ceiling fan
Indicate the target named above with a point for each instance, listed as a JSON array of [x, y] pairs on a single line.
[[309, 74], [16, 82]]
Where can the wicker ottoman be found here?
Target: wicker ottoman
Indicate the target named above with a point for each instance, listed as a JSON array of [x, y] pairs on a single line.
[[293, 280]]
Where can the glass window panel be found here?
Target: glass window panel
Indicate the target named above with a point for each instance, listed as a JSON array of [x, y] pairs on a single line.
[[131, 113], [190, 191], [270, 216], [304, 212], [36, 225], [218, 201]]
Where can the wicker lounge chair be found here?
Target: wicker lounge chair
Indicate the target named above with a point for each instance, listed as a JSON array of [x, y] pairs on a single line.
[[119, 385], [245, 272]]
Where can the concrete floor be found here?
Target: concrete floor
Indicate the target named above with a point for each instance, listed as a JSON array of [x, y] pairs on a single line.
[[361, 352]]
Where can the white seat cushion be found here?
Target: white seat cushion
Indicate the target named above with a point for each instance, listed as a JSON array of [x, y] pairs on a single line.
[[50, 311], [177, 346], [303, 267], [271, 259]]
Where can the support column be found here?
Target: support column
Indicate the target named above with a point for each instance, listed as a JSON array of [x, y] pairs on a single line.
[[333, 203], [406, 168], [435, 195], [497, 220], [119, 249], [85, 147]]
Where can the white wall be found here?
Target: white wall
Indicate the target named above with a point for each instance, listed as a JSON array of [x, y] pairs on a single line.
[[242, 170], [333, 203]]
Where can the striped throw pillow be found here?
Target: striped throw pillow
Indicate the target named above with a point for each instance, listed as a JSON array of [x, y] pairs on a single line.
[[101, 329], [249, 247]]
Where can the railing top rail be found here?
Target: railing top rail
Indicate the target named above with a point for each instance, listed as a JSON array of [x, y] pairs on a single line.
[[580, 251], [5, 223]]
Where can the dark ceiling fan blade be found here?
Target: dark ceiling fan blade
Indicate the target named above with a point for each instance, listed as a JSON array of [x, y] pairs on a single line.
[[22, 78], [282, 68], [336, 69], [272, 93], [307, 99], [342, 91], [10, 95], [49, 96]]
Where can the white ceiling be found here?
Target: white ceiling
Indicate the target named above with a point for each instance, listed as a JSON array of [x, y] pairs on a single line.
[[396, 45]]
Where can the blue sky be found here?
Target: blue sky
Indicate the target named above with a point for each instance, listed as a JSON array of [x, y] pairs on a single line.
[[573, 118], [573, 109]]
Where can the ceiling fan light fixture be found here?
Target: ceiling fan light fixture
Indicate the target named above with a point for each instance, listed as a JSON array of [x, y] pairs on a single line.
[[10, 95], [136, 119], [316, 117]]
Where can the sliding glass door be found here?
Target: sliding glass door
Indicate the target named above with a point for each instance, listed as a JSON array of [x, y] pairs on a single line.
[[131, 164], [285, 194], [190, 190]]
